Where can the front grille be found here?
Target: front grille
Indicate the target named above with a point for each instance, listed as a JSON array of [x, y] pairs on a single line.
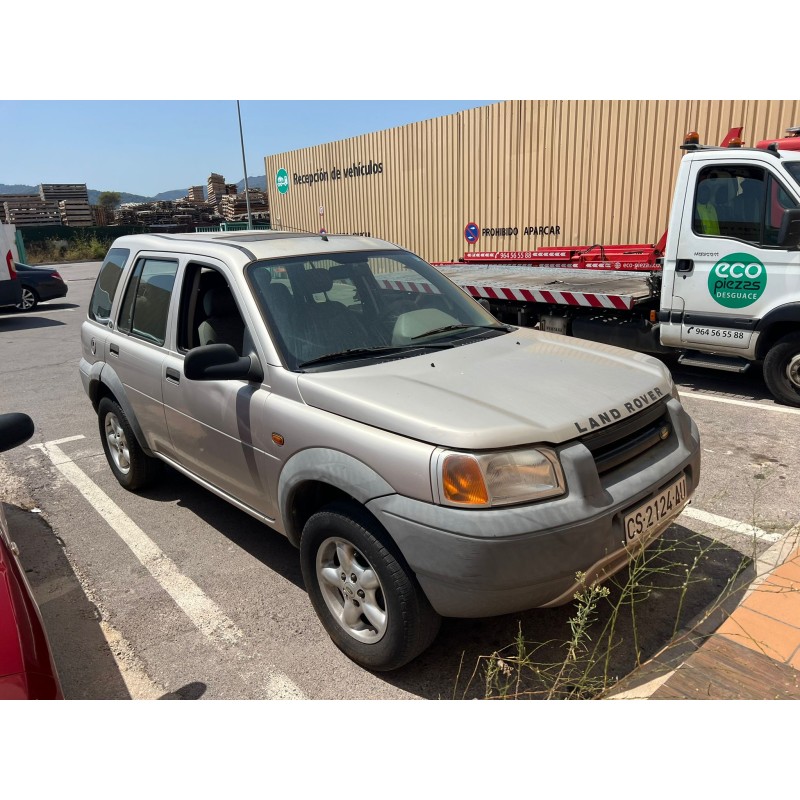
[[626, 440]]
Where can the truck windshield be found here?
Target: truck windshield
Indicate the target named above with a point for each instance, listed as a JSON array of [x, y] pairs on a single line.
[[336, 311], [793, 168]]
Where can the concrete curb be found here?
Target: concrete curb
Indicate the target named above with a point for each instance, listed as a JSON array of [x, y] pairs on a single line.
[[647, 679]]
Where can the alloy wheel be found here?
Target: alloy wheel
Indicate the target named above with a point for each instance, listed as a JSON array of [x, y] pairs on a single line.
[[351, 590], [28, 300], [117, 444]]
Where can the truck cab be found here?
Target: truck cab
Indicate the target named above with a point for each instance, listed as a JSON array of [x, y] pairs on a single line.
[[730, 291]]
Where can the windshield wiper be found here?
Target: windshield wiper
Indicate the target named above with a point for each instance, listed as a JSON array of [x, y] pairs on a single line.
[[357, 352], [459, 327]]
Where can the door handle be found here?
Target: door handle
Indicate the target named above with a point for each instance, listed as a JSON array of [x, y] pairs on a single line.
[[173, 375], [684, 265], [114, 348]]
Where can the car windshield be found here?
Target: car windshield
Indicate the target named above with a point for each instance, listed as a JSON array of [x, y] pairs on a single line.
[[336, 311]]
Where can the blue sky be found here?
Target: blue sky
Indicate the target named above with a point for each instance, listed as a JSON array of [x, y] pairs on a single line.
[[147, 147], [83, 108]]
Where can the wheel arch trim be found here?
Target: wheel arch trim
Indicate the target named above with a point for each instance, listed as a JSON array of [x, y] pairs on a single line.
[[788, 313], [328, 466], [102, 375]]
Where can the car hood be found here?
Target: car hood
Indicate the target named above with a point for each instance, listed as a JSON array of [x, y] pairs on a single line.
[[520, 388]]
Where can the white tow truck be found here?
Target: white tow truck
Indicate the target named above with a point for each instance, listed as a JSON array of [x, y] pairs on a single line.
[[723, 294]]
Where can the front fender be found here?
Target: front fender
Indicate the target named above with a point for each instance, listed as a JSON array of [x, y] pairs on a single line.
[[332, 467]]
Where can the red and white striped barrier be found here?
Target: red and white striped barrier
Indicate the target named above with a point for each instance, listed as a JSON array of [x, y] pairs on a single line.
[[589, 300]]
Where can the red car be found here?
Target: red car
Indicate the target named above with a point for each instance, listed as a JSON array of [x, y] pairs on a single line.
[[27, 670]]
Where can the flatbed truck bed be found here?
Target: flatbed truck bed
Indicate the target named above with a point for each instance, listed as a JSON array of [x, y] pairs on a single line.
[[591, 289]]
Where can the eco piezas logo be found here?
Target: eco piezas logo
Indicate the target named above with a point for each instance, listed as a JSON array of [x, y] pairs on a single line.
[[282, 181], [737, 280]]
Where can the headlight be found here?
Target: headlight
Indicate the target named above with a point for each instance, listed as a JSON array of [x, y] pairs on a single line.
[[498, 479]]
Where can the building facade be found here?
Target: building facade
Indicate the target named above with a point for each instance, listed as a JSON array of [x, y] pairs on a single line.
[[511, 176]]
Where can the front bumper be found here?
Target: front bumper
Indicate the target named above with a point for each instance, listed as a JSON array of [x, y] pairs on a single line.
[[481, 563]]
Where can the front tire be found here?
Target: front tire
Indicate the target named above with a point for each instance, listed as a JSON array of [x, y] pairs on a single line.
[[782, 370], [131, 467], [364, 593], [29, 299]]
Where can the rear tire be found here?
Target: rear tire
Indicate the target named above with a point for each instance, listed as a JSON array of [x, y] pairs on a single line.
[[131, 467], [29, 299], [782, 370], [377, 614]]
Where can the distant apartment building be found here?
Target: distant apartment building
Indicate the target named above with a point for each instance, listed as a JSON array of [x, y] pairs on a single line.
[[196, 194]]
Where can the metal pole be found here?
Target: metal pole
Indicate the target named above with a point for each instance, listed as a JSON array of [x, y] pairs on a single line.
[[244, 166]]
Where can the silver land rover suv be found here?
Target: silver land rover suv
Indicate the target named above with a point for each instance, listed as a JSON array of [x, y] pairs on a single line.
[[426, 459]]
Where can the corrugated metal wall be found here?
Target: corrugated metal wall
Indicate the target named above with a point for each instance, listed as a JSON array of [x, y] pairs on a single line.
[[601, 171]]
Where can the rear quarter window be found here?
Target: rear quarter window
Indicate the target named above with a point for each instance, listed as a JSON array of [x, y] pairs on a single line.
[[106, 285]]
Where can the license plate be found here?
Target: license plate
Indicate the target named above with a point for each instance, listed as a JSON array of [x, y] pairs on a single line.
[[655, 511]]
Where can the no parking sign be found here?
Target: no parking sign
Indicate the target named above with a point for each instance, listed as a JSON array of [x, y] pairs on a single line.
[[472, 233]]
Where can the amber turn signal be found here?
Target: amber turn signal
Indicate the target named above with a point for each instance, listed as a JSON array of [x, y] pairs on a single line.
[[462, 481]]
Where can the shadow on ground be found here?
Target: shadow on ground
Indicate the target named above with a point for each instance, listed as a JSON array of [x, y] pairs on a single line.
[[678, 581], [654, 604], [25, 322], [269, 547], [86, 666]]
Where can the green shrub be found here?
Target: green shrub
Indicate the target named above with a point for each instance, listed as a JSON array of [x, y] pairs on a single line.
[[81, 248]]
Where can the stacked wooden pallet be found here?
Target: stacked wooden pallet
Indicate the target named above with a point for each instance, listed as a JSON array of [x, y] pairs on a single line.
[[75, 213], [63, 191], [235, 206], [29, 210]]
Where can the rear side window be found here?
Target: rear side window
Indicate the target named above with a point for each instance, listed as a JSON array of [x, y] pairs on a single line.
[[106, 285], [146, 302]]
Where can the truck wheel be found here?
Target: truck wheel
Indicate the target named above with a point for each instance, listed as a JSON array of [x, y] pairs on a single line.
[[131, 467], [782, 369], [364, 593]]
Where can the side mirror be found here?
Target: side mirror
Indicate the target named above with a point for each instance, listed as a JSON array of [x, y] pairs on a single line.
[[789, 233], [15, 429], [220, 362]]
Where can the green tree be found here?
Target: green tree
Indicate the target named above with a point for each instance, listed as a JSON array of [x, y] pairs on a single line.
[[109, 200]]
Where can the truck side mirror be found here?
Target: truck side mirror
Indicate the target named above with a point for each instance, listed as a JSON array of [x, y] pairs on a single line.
[[789, 233]]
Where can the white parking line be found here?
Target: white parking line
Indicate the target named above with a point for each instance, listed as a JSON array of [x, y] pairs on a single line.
[[206, 615], [731, 525], [729, 401], [203, 612]]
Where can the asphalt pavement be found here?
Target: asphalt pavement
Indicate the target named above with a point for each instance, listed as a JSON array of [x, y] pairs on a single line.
[[116, 573]]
